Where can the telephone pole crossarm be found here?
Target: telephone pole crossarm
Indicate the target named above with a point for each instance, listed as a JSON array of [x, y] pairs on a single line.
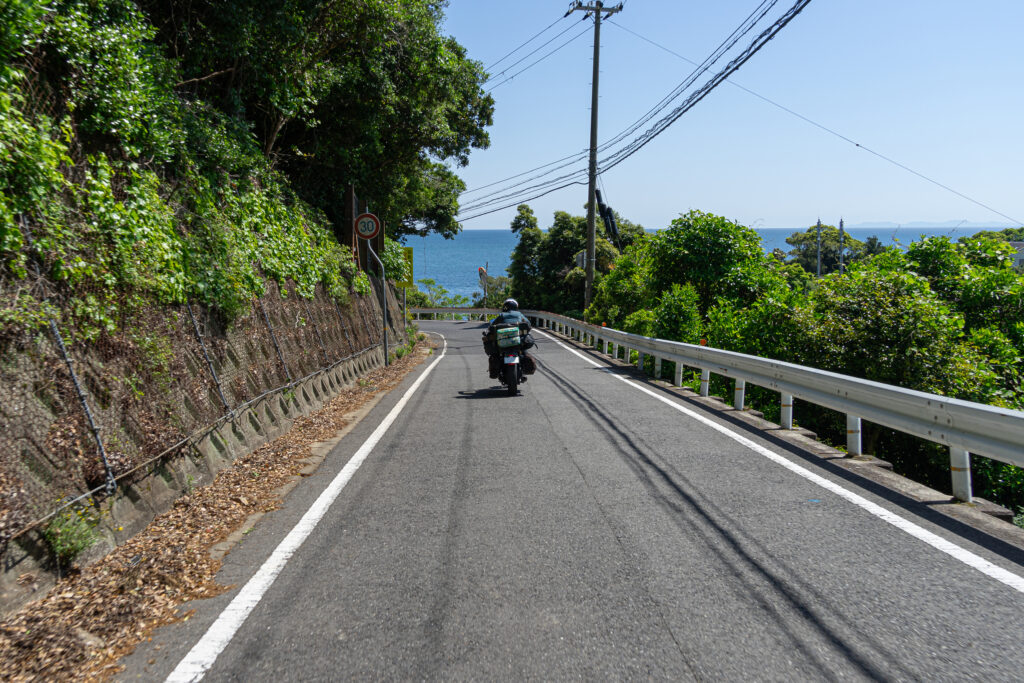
[[598, 11]]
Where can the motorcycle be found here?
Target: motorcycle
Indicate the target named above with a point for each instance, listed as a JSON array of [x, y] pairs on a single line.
[[511, 375], [510, 345]]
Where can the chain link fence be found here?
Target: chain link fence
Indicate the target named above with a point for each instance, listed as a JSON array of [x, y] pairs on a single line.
[[94, 392]]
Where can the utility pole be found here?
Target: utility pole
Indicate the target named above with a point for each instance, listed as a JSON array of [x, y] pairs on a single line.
[[599, 10], [819, 248]]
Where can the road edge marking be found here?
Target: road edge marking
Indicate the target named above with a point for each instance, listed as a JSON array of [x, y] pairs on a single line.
[[962, 554], [217, 637]]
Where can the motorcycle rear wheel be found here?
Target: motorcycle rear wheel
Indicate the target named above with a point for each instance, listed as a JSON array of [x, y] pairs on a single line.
[[512, 379]]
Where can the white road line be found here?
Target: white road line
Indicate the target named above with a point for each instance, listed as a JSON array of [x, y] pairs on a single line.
[[967, 557], [202, 656]]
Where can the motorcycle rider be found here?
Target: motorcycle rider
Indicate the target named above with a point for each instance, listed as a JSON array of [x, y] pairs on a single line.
[[509, 315]]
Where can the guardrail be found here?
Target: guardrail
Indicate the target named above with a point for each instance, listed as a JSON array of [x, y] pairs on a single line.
[[454, 311], [963, 426]]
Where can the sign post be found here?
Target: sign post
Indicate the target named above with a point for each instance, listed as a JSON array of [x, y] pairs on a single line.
[[367, 227], [482, 272]]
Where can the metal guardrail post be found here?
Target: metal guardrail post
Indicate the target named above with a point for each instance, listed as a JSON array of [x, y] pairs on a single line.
[[677, 379], [657, 367], [705, 382], [739, 394], [853, 443], [960, 469], [786, 411]]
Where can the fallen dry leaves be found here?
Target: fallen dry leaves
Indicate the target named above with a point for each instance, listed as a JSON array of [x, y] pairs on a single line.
[[95, 616]]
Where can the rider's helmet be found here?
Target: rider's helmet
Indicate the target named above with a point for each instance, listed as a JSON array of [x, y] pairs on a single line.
[[510, 305]]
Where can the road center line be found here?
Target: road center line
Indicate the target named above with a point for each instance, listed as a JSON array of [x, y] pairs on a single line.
[[202, 656], [962, 554]]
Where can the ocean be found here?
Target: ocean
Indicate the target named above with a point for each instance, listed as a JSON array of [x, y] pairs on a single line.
[[453, 263]]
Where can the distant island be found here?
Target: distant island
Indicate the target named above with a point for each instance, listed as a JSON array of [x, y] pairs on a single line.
[[933, 225]]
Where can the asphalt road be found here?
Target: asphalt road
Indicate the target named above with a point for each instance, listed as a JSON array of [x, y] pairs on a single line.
[[587, 530]]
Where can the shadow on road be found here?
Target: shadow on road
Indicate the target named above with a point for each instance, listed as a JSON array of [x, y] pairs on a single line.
[[768, 581], [487, 392]]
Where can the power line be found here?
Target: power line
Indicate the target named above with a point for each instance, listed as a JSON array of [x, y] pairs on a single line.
[[515, 190], [829, 130], [532, 52], [522, 45], [745, 27], [660, 126], [523, 200], [533, 64], [617, 157], [517, 175]]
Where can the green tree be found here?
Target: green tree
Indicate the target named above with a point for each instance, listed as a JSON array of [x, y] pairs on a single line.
[[1008, 234], [715, 255], [976, 277], [873, 246], [524, 268], [888, 326], [369, 93], [546, 268], [805, 249], [677, 315], [624, 289], [524, 219], [439, 297], [498, 289]]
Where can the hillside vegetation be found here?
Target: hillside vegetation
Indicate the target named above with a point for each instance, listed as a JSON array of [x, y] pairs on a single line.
[[171, 181], [181, 150]]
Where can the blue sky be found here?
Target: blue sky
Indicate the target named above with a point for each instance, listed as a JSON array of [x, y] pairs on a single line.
[[935, 85]]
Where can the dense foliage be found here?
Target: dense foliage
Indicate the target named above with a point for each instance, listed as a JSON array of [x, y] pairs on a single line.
[[806, 246], [942, 317], [365, 91], [171, 151], [547, 268]]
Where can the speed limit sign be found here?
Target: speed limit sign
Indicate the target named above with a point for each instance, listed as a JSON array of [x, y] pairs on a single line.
[[367, 226]]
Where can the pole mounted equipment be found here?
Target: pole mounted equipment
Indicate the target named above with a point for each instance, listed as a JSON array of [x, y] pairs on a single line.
[[598, 11]]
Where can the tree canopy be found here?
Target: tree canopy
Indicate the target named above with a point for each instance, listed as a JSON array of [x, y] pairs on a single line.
[[805, 249], [187, 150], [367, 92], [546, 268]]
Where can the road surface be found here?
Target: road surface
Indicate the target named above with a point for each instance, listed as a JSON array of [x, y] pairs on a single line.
[[590, 529]]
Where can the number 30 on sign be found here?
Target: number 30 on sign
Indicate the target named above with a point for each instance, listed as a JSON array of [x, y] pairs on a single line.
[[367, 226]]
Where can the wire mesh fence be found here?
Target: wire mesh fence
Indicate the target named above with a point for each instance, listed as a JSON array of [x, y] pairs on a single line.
[[98, 379], [83, 413]]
